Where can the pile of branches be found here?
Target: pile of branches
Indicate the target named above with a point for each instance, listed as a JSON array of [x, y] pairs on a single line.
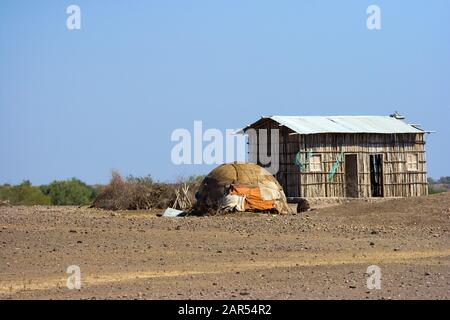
[[138, 194]]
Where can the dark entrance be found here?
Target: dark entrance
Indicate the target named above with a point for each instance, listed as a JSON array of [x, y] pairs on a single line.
[[351, 175], [376, 175]]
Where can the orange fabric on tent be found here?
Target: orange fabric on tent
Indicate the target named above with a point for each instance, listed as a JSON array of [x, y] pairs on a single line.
[[253, 198]]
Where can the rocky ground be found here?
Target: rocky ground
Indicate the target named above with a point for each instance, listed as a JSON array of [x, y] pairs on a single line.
[[321, 254]]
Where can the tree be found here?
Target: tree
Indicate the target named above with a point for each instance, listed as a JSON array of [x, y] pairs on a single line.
[[69, 192], [24, 194], [444, 180]]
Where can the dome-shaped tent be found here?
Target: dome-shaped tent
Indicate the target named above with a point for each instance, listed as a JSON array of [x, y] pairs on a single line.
[[241, 187]]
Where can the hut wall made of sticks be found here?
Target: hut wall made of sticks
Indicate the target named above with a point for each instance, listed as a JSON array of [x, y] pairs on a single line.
[[386, 165]]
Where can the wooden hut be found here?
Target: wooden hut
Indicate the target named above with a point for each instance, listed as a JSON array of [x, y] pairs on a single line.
[[344, 156]]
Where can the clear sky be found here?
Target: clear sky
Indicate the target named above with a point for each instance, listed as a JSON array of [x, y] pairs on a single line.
[[80, 103]]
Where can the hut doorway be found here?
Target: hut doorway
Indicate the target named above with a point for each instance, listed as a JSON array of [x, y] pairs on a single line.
[[376, 175], [351, 175]]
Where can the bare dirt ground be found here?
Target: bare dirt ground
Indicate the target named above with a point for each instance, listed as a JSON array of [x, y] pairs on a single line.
[[322, 254]]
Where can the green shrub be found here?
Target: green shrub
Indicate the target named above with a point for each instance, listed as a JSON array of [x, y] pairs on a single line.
[[438, 186], [24, 194], [435, 189], [69, 192], [444, 180]]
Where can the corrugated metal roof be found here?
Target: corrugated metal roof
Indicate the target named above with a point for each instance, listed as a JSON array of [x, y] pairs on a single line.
[[345, 124]]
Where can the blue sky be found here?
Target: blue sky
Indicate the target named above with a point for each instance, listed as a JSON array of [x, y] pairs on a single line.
[[80, 103]]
